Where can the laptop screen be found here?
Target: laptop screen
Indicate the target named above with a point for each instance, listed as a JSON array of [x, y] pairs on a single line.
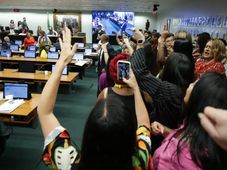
[[6, 53], [53, 55], [29, 54], [18, 42], [19, 91], [52, 49], [94, 46], [78, 56], [31, 48], [64, 72], [88, 51], [80, 45], [14, 47]]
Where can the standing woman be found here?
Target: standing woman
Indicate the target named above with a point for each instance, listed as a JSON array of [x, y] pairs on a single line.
[[213, 54], [113, 137], [190, 147]]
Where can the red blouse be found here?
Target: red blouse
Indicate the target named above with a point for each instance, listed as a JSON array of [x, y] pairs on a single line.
[[203, 66]]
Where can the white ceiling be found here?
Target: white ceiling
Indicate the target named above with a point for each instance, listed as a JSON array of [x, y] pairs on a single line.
[[167, 7]]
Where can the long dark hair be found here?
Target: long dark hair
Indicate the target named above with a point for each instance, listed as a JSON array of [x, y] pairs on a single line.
[[210, 90], [184, 46], [178, 70], [150, 50], [109, 137]]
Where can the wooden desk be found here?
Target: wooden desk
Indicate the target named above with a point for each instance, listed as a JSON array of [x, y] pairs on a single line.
[[39, 76], [18, 58], [24, 114]]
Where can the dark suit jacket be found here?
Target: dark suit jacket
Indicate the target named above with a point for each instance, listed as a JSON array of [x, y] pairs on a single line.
[[101, 61]]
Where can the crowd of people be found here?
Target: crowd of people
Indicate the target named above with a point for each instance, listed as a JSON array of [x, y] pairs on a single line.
[[170, 113]]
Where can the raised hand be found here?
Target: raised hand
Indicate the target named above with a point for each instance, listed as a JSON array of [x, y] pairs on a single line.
[[66, 51], [214, 121], [157, 128]]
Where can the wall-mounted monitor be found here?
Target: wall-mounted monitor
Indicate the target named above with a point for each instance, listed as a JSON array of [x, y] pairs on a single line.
[[113, 21]]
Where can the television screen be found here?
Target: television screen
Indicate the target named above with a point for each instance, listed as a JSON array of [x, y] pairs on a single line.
[[113, 21]]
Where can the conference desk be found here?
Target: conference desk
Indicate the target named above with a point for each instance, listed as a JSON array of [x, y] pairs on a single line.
[[38, 76], [24, 114], [53, 38]]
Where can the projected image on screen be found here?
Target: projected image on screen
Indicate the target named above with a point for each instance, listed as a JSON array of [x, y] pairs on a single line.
[[112, 21]]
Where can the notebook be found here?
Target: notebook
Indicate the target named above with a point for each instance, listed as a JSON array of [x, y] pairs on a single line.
[[29, 54], [18, 90], [53, 55], [10, 105]]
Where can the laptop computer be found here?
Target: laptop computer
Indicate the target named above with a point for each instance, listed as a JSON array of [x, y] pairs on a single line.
[[52, 55], [64, 72], [18, 90], [78, 56], [80, 45], [14, 47], [6, 53], [94, 46], [29, 54], [87, 51], [53, 49], [27, 67], [18, 42], [31, 48]]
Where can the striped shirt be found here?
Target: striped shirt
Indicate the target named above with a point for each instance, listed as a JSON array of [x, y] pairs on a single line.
[[167, 97]]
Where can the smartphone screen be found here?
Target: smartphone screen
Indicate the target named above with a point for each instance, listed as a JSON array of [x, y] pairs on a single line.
[[123, 69]]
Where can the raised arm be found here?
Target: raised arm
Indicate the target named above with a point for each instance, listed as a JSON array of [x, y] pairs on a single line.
[[141, 111], [48, 97], [130, 49]]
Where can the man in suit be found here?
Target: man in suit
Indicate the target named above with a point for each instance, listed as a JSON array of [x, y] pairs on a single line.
[[106, 53], [98, 33]]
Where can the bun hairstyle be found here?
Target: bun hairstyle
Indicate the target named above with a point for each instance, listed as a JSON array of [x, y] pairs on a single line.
[[113, 67]]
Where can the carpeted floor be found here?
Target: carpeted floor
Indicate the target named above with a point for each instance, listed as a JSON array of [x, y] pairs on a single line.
[[24, 147]]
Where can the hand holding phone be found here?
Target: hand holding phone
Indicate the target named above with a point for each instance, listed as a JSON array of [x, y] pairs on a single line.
[[123, 69]]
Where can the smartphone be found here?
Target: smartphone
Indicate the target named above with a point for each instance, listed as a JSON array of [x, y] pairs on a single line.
[[123, 69]]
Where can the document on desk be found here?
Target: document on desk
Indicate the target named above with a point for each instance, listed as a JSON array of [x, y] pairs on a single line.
[[81, 63], [10, 105]]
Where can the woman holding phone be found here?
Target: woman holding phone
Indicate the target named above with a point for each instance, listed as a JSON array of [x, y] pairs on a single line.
[[113, 137]]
